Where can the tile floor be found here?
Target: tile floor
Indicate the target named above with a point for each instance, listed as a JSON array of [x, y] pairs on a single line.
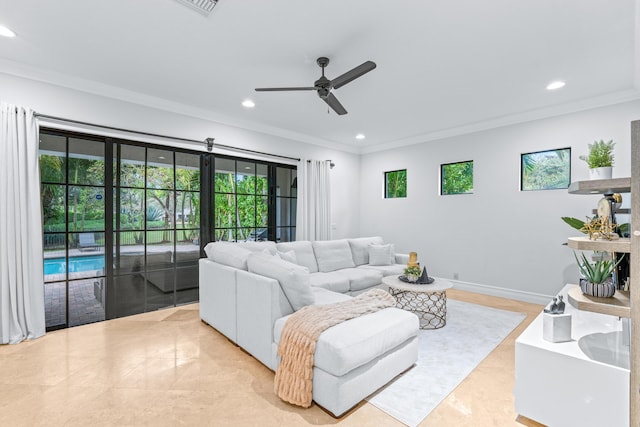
[[83, 305], [167, 368]]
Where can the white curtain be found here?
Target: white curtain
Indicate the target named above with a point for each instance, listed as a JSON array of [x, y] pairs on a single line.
[[21, 269], [314, 195]]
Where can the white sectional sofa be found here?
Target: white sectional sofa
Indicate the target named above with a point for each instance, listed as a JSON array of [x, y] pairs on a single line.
[[248, 290]]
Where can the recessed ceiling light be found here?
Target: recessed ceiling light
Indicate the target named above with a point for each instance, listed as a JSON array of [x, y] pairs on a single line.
[[360, 136], [555, 85], [4, 31], [161, 157], [248, 103], [247, 167]]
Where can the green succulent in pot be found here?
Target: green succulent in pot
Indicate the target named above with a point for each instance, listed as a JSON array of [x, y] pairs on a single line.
[[597, 277], [596, 272], [412, 271]]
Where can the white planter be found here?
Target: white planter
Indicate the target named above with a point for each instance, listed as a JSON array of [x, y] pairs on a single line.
[[600, 173]]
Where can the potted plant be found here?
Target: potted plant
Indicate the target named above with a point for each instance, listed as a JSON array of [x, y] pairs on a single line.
[[412, 273], [597, 278], [600, 159]]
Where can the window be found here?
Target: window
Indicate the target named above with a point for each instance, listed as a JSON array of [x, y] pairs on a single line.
[[456, 178], [395, 184], [545, 170], [253, 200]]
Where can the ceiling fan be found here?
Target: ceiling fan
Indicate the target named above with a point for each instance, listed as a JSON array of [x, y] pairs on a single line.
[[324, 86]]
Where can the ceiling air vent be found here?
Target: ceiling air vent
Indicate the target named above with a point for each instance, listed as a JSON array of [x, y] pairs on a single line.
[[203, 6]]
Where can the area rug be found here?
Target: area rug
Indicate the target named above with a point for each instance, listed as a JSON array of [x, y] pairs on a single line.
[[446, 356]]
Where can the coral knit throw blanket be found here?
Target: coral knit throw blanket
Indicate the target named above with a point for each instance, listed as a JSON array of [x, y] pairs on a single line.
[[294, 377]]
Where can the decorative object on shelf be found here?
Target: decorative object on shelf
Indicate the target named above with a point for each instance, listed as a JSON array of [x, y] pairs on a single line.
[[413, 260], [411, 273], [574, 223], [557, 306], [556, 327], [424, 278], [597, 278], [600, 159], [600, 228]]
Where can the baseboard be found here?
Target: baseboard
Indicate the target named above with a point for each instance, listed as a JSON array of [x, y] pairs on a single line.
[[502, 292]]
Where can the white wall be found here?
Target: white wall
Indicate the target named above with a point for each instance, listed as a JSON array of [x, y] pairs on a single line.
[[68, 103], [499, 236]]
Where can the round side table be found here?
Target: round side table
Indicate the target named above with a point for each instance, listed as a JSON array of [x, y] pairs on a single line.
[[428, 302]]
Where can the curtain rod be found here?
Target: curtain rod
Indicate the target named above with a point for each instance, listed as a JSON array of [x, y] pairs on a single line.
[[157, 135]]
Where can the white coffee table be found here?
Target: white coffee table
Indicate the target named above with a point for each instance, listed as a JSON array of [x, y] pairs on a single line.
[[428, 302]]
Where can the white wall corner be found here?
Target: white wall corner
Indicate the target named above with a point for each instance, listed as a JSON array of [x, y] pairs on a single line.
[[496, 291]]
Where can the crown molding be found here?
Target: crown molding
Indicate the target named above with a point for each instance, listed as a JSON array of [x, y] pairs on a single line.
[[120, 94], [512, 119], [117, 93]]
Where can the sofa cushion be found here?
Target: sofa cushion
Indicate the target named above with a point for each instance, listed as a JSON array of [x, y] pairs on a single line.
[[351, 344], [386, 270], [333, 255], [334, 281], [259, 246], [288, 256], [304, 253], [228, 253], [294, 280], [381, 255], [360, 248], [360, 278]]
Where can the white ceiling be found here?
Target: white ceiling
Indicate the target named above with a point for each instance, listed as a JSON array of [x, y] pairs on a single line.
[[443, 67]]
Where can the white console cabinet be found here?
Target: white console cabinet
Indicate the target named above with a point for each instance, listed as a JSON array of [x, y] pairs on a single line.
[[583, 382]]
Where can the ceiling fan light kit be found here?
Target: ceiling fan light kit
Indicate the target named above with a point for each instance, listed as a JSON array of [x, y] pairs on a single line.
[[323, 86]]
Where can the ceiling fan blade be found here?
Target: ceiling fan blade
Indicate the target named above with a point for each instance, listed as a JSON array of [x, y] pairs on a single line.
[[335, 104], [274, 89], [353, 74]]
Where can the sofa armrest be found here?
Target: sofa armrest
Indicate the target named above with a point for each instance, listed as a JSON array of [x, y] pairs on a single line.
[[260, 302], [402, 258], [218, 296]]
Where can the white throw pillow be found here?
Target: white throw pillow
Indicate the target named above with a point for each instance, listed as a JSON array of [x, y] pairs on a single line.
[[304, 253], [381, 255], [333, 255], [294, 280], [289, 256], [228, 254], [360, 248]]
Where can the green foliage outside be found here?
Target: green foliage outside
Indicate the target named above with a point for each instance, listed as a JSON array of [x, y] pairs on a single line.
[[457, 178], [168, 206], [600, 154], [546, 170], [241, 205], [395, 184]]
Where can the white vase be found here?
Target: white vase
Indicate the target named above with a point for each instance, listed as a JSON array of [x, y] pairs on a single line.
[[600, 173]]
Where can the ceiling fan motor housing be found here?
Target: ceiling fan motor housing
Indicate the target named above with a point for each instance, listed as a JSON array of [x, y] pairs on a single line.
[[323, 92]]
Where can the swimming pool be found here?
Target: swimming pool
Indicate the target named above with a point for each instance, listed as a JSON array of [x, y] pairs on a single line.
[[76, 264]]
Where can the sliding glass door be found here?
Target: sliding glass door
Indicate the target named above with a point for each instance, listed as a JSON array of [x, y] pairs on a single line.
[[125, 222], [121, 227], [156, 237], [72, 171], [253, 200]]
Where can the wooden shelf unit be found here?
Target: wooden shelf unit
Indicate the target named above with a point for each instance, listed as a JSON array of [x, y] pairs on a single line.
[[601, 186], [622, 245], [623, 304], [618, 305]]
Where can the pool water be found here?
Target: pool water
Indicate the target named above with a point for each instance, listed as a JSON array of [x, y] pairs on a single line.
[[76, 264]]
